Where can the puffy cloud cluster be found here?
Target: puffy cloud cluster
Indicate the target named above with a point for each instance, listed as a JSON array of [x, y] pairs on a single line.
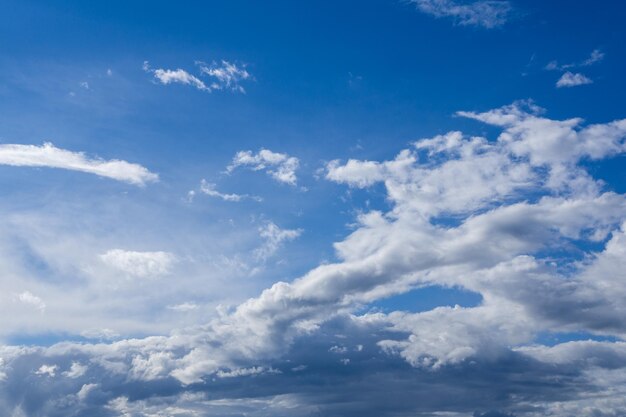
[[279, 166], [570, 79], [517, 220]]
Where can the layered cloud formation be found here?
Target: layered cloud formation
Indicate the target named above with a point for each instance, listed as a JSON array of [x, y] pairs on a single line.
[[518, 220]]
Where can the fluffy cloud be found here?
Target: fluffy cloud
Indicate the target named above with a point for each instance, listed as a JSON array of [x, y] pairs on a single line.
[[279, 166], [50, 156], [570, 79], [139, 264], [485, 13], [29, 298], [179, 76], [517, 220]]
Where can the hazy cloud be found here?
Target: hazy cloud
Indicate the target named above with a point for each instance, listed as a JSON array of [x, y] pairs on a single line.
[[486, 13], [139, 264]]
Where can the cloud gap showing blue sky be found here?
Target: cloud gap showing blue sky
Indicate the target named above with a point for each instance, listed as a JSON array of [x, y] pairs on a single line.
[[379, 208]]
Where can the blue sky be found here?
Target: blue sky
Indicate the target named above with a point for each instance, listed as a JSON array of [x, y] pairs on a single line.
[[385, 208]]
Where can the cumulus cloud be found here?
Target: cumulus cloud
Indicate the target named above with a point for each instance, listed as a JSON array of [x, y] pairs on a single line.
[[47, 370], [486, 13], [76, 370], [570, 79], [139, 264], [279, 166], [516, 219], [49, 156], [222, 76]]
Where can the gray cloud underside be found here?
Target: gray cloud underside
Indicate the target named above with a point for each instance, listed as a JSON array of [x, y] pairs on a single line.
[[512, 219]]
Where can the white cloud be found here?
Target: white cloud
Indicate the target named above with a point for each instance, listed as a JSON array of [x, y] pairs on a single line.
[[595, 57], [179, 76], [256, 370], [183, 307], [516, 219], [570, 79], [210, 190], [226, 75], [223, 76], [85, 390], [50, 156], [29, 298], [76, 370], [573, 79], [100, 334], [47, 370], [274, 238], [279, 166], [139, 264], [485, 13]]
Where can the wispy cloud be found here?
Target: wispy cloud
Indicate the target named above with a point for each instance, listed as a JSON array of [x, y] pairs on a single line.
[[210, 189], [486, 13], [139, 264], [573, 79], [183, 307], [50, 156], [225, 75], [180, 76], [570, 79], [222, 76], [595, 57], [274, 237], [279, 166]]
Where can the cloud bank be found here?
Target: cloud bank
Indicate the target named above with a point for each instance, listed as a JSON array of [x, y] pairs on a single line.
[[517, 219]]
